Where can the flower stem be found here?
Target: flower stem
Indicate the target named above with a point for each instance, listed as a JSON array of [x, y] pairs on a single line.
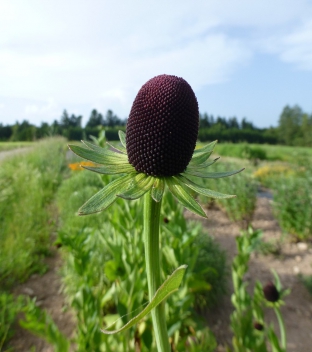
[[151, 242], [281, 326]]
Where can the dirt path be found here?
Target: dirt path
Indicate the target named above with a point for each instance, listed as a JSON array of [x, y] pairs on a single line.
[[9, 153], [47, 290], [292, 260]]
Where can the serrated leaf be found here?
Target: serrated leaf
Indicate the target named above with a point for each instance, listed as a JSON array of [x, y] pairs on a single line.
[[165, 290], [122, 137], [158, 189], [181, 193], [204, 174], [139, 185], [106, 196], [111, 169], [202, 165], [104, 157], [201, 190]]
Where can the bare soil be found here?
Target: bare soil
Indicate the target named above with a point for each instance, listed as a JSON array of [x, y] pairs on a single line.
[[292, 259]]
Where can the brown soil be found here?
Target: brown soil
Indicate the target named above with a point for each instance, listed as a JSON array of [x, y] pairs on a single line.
[[291, 260]]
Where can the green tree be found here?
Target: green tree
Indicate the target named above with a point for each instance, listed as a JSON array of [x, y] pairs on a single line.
[[289, 125], [95, 119]]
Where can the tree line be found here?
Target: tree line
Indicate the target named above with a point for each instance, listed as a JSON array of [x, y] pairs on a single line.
[[294, 128]]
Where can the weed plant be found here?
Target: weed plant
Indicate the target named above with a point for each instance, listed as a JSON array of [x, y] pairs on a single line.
[[104, 271], [293, 206], [243, 185], [27, 186]]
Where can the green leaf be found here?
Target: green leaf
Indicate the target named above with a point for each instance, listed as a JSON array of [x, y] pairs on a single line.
[[122, 137], [200, 158], [106, 196], [204, 191], [204, 174], [158, 189], [111, 169], [202, 165], [139, 185], [207, 148], [165, 290], [119, 148], [181, 193], [104, 157]]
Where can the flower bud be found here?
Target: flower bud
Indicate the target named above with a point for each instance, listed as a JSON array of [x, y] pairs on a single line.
[[258, 326], [162, 127], [270, 292]]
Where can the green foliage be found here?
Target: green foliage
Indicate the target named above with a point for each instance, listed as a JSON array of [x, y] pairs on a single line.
[[307, 281], [104, 271], [27, 186], [9, 308], [40, 323], [293, 205], [4, 146], [251, 332], [242, 185]]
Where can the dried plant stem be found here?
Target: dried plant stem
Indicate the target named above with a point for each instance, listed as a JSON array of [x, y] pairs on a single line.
[[151, 242]]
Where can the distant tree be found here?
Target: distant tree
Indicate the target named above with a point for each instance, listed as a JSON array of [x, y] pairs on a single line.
[[233, 123], [23, 131], [112, 120], [289, 125], [70, 121], [95, 119], [246, 125]]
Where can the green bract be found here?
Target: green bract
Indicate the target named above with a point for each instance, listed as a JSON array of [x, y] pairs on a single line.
[[133, 185]]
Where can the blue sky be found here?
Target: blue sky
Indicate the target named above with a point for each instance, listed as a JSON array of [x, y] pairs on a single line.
[[243, 58]]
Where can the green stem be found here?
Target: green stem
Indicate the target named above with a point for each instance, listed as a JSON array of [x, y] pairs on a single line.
[[281, 326], [151, 239]]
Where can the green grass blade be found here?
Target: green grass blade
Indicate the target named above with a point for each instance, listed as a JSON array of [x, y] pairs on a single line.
[[139, 185], [106, 196], [181, 193], [158, 189], [204, 191], [203, 174], [165, 290]]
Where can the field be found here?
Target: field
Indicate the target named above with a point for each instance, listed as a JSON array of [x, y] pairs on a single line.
[[101, 266]]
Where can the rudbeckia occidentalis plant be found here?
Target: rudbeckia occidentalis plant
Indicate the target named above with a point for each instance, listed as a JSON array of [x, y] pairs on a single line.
[[157, 151]]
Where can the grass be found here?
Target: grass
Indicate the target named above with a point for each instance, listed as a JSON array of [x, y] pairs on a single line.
[[27, 187], [4, 146]]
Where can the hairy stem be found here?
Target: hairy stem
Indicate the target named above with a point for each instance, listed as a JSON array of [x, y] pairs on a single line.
[[281, 326], [151, 242]]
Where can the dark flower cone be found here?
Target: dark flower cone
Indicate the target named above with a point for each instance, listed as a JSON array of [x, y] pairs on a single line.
[[162, 127], [270, 292], [258, 326]]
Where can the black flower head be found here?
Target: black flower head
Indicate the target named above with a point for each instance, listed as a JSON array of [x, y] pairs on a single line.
[[258, 326], [162, 127], [270, 292], [157, 150]]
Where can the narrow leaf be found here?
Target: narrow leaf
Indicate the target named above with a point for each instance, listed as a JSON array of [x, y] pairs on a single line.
[[139, 185], [111, 169], [204, 191], [158, 189], [204, 174], [104, 157], [202, 165], [119, 148], [165, 290], [122, 137], [207, 148], [200, 158], [181, 193], [106, 196]]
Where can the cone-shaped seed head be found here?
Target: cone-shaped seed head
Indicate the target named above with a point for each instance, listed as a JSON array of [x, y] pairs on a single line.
[[270, 292], [162, 127]]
